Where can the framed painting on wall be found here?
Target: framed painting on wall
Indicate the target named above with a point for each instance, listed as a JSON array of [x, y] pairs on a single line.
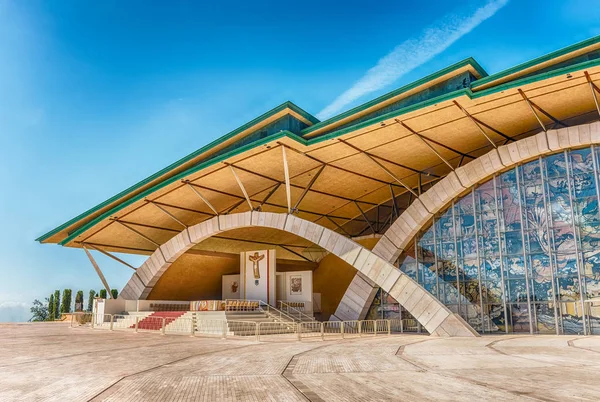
[[295, 285]]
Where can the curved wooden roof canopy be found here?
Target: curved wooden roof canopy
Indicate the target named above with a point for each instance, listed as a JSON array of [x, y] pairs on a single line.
[[353, 173]]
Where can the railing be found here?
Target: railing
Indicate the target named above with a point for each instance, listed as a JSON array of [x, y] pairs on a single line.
[[242, 305], [250, 330], [277, 331], [405, 325], [294, 312], [274, 313]]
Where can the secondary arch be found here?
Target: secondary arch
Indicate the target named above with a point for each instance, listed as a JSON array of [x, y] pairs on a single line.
[[433, 315], [418, 215]]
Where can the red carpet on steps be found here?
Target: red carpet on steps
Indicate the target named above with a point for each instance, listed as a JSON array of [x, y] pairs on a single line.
[[154, 320]]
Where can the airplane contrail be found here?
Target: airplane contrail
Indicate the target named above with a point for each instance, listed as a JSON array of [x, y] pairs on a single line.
[[413, 53]]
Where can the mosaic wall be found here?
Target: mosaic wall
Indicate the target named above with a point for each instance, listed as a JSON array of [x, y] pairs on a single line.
[[521, 252]]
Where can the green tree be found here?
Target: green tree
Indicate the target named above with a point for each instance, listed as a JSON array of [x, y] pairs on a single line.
[[56, 304], [114, 293], [50, 316], [39, 310], [65, 306], [103, 293], [91, 300], [79, 301]]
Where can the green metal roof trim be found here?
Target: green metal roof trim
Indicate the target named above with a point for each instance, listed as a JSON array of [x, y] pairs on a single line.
[[538, 60], [264, 116], [180, 176], [456, 94], [303, 141], [466, 62]]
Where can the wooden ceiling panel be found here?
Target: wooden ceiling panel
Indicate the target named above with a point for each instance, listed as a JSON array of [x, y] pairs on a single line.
[[377, 137], [152, 216], [320, 203], [442, 115], [512, 119], [573, 101], [119, 236], [409, 151], [347, 211], [185, 197], [343, 183], [237, 246], [360, 163], [332, 151]]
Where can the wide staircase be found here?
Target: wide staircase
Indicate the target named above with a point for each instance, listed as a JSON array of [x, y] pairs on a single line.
[[154, 321]]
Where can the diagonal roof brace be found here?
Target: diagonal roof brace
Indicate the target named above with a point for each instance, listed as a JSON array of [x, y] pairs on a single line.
[[533, 107], [442, 145], [310, 184], [170, 215], [286, 174], [143, 236], [419, 136], [98, 271], [106, 253], [201, 197], [372, 158], [594, 89], [476, 123], [365, 217], [239, 182]]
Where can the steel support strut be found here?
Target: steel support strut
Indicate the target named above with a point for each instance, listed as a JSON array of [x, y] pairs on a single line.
[[98, 271]]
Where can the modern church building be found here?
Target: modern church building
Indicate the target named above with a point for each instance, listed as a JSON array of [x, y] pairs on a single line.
[[465, 200]]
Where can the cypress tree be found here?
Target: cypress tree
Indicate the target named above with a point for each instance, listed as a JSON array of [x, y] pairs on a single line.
[[65, 306], [79, 301], [114, 293], [57, 304], [91, 297], [51, 308], [103, 293]]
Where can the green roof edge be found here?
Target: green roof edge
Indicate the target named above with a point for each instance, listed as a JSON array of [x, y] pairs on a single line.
[[179, 176], [537, 60], [466, 62], [308, 116], [187, 158]]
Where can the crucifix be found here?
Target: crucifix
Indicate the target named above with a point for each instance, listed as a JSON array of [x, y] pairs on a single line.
[[255, 259]]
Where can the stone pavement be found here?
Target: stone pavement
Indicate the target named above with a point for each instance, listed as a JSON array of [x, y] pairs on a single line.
[[54, 362]]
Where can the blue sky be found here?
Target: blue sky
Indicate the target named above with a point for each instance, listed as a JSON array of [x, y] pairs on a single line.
[[95, 96]]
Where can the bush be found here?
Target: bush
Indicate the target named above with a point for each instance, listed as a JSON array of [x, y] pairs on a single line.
[[103, 293], [114, 293], [39, 311]]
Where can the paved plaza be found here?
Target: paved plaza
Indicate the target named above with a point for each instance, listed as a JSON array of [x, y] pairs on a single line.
[[54, 362]]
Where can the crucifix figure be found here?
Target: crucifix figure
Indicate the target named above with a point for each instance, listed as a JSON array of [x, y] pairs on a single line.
[[255, 259]]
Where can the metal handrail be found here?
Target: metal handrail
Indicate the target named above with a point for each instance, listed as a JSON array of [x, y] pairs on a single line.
[[283, 304], [281, 326], [277, 312]]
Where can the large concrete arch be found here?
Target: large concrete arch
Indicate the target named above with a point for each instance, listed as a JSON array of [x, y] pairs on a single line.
[[458, 182], [433, 315]]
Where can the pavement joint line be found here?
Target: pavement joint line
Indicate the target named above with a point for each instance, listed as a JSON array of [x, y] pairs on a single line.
[[296, 383], [492, 346], [160, 366], [91, 351], [571, 343], [470, 380]]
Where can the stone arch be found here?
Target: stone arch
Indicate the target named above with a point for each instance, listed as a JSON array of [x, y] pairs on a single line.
[[433, 315], [421, 211]]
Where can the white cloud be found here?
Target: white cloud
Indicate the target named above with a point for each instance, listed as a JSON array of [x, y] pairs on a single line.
[[412, 53]]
